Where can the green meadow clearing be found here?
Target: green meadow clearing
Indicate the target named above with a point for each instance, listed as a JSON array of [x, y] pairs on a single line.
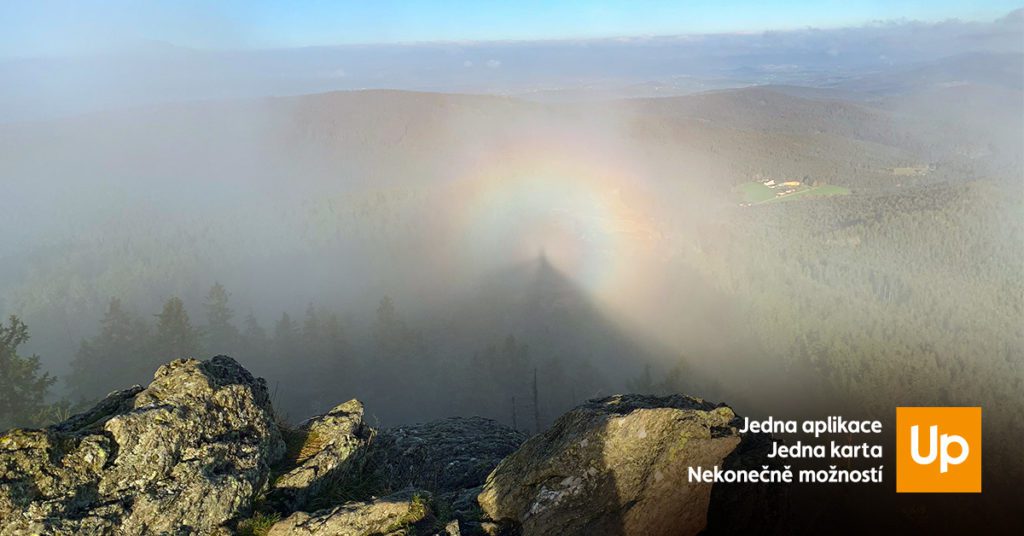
[[756, 193]]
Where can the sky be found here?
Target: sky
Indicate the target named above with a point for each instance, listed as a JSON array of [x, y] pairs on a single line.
[[76, 27]]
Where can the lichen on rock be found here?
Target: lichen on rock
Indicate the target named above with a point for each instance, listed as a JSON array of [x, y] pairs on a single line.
[[397, 514], [614, 466], [199, 451], [327, 446], [185, 455]]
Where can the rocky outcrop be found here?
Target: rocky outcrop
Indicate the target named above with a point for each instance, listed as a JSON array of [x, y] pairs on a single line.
[[615, 466], [398, 514], [323, 452], [185, 455], [198, 451], [448, 459]]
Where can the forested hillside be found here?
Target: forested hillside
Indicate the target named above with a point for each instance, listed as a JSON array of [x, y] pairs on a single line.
[[410, 248]]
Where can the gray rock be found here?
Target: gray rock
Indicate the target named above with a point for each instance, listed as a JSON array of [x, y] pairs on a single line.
[[445, 456], [452, 528], [398, 514], [449, 458], [185, 455], [325, 449], [192, 454], [614, 466]]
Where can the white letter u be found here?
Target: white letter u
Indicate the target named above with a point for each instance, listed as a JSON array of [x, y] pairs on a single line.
[[933, 433]]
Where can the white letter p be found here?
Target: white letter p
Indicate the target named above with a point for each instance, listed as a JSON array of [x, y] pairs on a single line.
[[945, 461]]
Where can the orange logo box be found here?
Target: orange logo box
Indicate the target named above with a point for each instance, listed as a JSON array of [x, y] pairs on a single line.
[[938, 450]]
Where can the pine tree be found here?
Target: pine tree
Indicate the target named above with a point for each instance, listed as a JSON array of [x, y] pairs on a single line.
[[254, 332], [109, 360], [285, 348], [175, 337], [334, 336], [254, 342], [324, 340], [22, 388], [286, 338], [221, 335], [400, 366], [285, 368], [324, 349]]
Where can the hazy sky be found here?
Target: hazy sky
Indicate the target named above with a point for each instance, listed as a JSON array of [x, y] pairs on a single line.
[[62, 27]]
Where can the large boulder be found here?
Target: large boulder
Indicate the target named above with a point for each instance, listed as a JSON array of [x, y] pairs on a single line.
[[185, 455], [323, 451], [398, 514], [617, 465]]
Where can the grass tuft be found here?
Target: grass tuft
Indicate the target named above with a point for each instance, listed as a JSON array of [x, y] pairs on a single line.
[[300, 445], [259, 524]]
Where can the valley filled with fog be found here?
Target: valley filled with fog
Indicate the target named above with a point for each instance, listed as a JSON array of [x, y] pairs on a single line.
[[510, 247]]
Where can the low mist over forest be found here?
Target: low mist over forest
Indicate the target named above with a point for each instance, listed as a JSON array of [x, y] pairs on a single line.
[[805, 230]]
